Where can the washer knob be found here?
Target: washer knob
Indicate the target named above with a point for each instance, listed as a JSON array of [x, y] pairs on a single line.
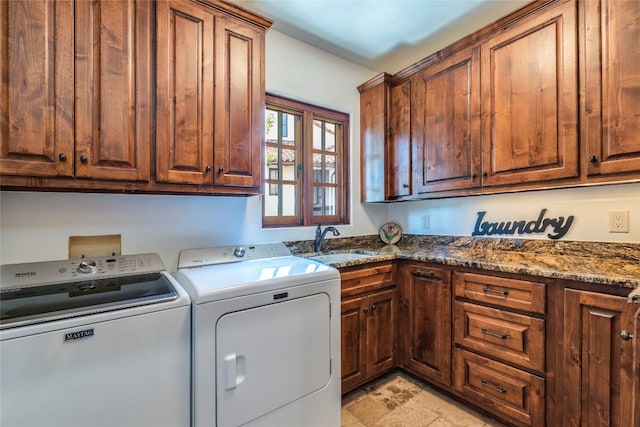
[[239, 252], [87, 266]]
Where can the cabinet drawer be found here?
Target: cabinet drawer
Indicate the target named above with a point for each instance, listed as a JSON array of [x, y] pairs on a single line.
[[359, 279], [512, 337], [509, 293], [515, 394]]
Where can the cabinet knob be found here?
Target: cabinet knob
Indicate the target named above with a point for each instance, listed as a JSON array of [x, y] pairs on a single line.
[[373, 307], [626, 336], [83, 158], [405, 185], [220, 169], [484, 173], [366, 309], [62, 157], [592, 159], [473, 175], [207, 169]]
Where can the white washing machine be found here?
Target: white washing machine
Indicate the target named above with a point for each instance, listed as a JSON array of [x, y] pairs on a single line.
[[86, 343], [266, 337]]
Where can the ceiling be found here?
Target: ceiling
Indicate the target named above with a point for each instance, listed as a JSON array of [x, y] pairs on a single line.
[[382, 35]]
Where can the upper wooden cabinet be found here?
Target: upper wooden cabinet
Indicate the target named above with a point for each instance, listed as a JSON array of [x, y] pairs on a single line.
[[448, 104], [106, 133], [79, 107], [544, 97], [399, 151], [530, 100], [611, 77], [210, 86], [374, 129], [114, 93], [36, 100]]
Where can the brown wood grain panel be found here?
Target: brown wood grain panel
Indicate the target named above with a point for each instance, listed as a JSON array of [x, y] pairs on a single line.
[[374, 112], [239, 111], [185, 98], [381, 331], [611, 79], [511, 337], [599, 377], [499, 388], [113, 89], [429, 329], [354, 339], [450, 147], [399, 179], [529, 100], [36, 102]]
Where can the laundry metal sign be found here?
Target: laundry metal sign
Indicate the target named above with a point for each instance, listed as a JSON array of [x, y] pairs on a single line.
[[557, 227]]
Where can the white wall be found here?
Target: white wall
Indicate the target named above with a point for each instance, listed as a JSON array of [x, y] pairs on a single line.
[[36, 226], [590, 207]]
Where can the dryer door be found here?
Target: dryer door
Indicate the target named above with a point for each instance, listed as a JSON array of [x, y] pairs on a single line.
[[270, 356]]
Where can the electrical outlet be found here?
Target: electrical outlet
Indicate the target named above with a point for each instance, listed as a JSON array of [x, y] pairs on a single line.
[[619, 222], [426, 222]]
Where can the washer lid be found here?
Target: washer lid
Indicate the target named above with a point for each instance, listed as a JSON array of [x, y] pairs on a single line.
[[221, 281]]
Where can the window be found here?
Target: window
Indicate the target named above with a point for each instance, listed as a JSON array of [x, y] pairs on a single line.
[[306, 164]]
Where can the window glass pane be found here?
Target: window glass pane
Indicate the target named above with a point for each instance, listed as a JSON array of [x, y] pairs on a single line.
[[317, 135], [271, 126], [330, 137], [290, 202], [317, 167], [289, 123], [289, 163], [271, 157], [329, 169], [330, 201]]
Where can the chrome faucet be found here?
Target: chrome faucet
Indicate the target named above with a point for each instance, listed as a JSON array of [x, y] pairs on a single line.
[[320, 236]]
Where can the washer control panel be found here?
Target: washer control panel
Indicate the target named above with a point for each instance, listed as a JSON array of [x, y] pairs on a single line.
[[40, 273]]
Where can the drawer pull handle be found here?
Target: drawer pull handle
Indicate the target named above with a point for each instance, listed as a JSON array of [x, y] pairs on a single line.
[[487, 332], [424, 273], [625, 335], [499, 390], [488, 290]]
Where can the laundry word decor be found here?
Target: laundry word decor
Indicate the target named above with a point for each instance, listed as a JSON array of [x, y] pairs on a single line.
[[557, 227]]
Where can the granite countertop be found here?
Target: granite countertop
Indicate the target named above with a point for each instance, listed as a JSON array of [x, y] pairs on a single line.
[[615, 264]]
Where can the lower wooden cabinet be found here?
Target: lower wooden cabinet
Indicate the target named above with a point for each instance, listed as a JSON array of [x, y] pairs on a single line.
[[426, 327], [499, 388], [601, 373], [368, 320]]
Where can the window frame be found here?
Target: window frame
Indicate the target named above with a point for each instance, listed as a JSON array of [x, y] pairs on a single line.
[[305, 150]]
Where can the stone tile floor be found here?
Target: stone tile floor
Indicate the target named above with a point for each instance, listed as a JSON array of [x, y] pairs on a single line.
[[397, 400]]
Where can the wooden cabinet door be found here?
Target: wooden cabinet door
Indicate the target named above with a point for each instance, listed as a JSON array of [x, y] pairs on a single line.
[[184, 92], [354, 342], [449, 150], [113, 115], [374, 115], [36, 96], [239, 103], [599, 376], [611, 77], [429, 336], [381, 331], [529, 100], [398, 177]]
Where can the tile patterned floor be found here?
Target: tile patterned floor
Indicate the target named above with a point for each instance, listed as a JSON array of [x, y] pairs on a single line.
[[397, 400]]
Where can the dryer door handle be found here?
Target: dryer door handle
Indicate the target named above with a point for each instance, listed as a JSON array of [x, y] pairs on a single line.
[[233, 371]]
